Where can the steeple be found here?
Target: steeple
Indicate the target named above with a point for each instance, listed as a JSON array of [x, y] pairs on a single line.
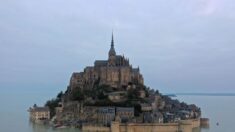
[[112, 50], [112, 41]]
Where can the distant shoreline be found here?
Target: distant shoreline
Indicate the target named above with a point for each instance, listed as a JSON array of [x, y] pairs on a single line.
[[202, 94]]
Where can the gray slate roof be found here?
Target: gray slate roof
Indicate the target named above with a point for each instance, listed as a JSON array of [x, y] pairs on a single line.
[[101, 63], [39, 109]]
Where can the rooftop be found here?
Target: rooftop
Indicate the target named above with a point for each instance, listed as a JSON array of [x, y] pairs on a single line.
[[39, 109]]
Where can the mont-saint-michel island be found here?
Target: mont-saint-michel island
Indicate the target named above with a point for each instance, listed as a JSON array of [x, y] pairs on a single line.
[[111, 96]]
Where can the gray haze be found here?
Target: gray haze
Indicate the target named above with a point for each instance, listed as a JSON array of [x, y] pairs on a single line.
[[180, 45]]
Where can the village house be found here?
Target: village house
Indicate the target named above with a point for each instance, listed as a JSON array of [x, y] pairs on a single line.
[[106, 115], [39, 113], [117, 96], [142, 93], [146, 107], [125, 113]]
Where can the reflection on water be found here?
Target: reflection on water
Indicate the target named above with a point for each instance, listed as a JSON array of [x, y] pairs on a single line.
[[201, 130], [45, 128]]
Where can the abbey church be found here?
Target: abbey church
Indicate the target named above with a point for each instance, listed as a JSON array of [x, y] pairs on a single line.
[[116, 72]]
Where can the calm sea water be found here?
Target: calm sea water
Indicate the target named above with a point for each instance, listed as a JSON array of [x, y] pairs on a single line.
[[14, 116], [219, 109]]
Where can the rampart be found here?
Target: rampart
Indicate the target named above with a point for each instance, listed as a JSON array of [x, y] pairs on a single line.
[[95, 128], [182, 126]]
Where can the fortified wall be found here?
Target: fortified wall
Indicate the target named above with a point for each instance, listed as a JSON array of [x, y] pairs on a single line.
[[182, 126]]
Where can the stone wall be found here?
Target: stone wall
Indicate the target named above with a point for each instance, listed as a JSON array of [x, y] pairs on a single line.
[[196, 123], [173, 127], [114, 76], [204, 122], [183, 126], [93, 128]]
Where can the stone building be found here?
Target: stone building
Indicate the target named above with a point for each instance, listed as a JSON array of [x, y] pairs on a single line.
[[142, 93], [39, 113], [106, 115], [116, 72], [125, 113], [146, 107], [117, 96]]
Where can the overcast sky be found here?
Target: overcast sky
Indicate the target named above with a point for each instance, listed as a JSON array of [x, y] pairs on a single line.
[[180, 45]]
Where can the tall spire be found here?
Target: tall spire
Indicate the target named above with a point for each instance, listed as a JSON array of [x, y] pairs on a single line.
[[112, 50], [112, 41]]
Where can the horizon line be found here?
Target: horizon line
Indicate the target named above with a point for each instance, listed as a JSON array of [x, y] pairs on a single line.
[[201, 94]]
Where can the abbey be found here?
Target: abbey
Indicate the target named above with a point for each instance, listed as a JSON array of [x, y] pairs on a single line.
[[116, 72], [112, 96]]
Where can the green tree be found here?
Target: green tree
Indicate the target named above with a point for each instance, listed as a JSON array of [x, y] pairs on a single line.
[[52, 104], [78, 95], [59, 95]]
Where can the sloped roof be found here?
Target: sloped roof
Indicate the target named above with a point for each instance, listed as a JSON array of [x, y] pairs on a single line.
[[101, 63], [39, 109]]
